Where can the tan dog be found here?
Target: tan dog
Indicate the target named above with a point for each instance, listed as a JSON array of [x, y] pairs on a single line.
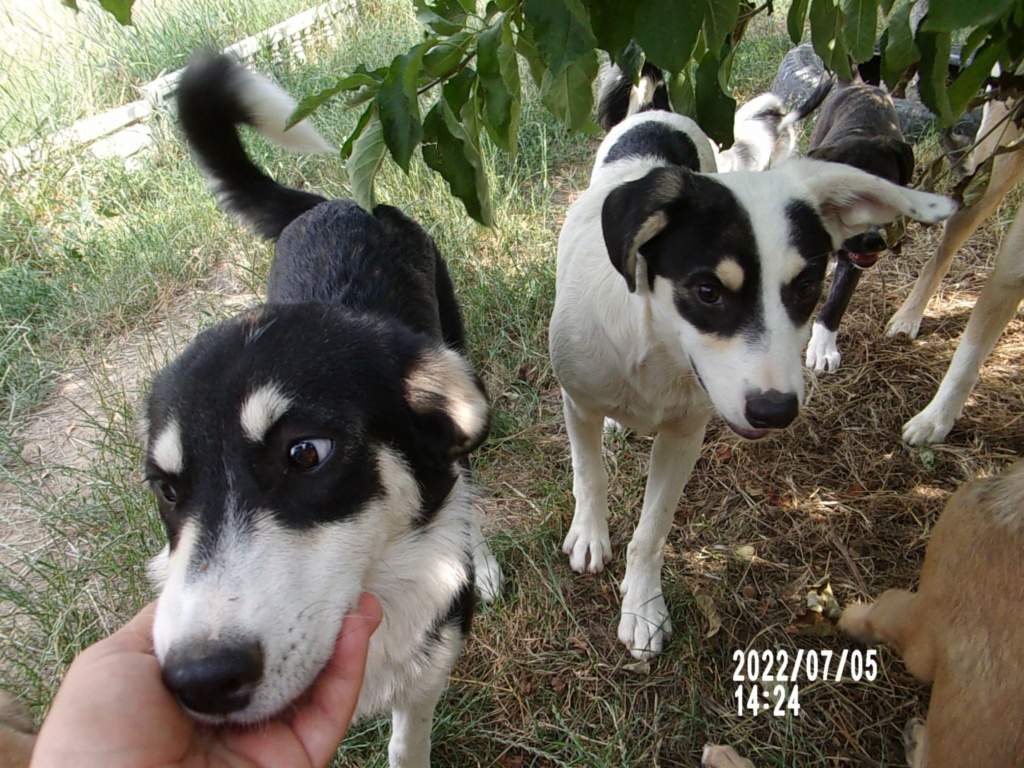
[[17, 733], [1003, 290], [962, 630]]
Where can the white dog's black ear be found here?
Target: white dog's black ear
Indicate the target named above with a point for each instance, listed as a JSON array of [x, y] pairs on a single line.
[[635, 212], [450, 409], [850, 200]]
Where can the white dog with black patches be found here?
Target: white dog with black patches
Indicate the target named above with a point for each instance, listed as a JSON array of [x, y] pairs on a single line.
[[314, 448], [680, 294]]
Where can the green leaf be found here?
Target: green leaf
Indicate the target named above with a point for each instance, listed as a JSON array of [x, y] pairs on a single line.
[[612, 24], [72, 4], [526, 48], [398, 105], [951, 15], [898, 50], [934, 67], [311, 103], [715, 108], [446, 54], [667, 30], [458, 90], [445, 17], [120, 9], [970, 80], [719, 20], [367, 155], [974, 41], [631, 61], [795, 20], [860, 27], [570, 96], [500, 88], [681, 93], [561, 31], [972, 189], [364, 120], [886, 6], [452, 148], [826, 35]]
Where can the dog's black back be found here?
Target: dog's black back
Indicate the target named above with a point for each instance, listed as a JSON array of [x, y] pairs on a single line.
[[383, 264], [858, 125]]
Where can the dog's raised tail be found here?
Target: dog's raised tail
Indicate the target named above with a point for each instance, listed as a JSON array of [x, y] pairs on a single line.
[[811, 103], [215, 95], [618, 98]]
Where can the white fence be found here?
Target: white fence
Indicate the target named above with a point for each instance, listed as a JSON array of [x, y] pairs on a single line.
[[123, 132]]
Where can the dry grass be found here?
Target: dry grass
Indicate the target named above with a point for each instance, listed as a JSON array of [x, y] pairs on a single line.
[[544, 682], [836, 497]]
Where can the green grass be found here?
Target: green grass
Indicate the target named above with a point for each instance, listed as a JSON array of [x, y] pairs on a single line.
[[92, 63], [94, 260]]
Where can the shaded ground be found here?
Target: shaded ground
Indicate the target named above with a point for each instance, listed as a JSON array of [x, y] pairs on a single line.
[[838, 498]]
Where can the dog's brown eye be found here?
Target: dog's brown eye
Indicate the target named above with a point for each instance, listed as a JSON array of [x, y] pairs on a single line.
[[708, 293], [166, 490], [806, 289], [309, 453]]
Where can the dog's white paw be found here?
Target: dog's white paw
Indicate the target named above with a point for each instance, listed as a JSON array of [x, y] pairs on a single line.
[[915, 736], [903, 324], [612, 427], [930, 426], [488, 574], [822, 353], [588, 545], [645, 624]]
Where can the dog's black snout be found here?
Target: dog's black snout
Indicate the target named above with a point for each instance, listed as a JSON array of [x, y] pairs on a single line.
[[872, 241], [214, 679], [771, 409]]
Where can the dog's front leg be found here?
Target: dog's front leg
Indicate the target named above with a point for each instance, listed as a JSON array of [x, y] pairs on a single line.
[[645, 623], [411, 724], [485, 566], [822, 351], [587, 543]]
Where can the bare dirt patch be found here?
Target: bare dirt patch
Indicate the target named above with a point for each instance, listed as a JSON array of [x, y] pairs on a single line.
[[97, 397]]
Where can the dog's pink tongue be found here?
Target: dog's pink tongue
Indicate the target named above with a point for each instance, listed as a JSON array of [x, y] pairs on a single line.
[[864, 260]]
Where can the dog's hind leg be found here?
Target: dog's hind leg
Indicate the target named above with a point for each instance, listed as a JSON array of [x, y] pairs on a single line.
[[587, 543], [645, 622], [822, 351], [898, 620], [1007, 171], [997, 304], [915, 742]]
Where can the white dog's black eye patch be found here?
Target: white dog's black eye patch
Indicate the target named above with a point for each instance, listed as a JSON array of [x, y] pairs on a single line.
[[288, 422]]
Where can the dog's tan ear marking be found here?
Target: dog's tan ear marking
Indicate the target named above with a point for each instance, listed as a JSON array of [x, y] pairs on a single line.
[[634, 213], [851, 200], [449, 403]]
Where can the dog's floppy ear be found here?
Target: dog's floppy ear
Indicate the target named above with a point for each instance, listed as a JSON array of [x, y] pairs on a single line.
[[635, 212], [850, 200], [903, 155], [450, 409]]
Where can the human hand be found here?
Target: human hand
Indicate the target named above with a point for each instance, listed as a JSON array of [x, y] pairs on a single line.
[[113, 711]]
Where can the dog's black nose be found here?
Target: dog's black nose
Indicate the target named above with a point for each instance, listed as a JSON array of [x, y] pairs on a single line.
[[214, 679], [871, 241], [771, 409]]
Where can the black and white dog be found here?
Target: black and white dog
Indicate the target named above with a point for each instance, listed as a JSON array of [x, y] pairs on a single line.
[[681, 293], [857, 125], [764, 131], [309, 449]]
